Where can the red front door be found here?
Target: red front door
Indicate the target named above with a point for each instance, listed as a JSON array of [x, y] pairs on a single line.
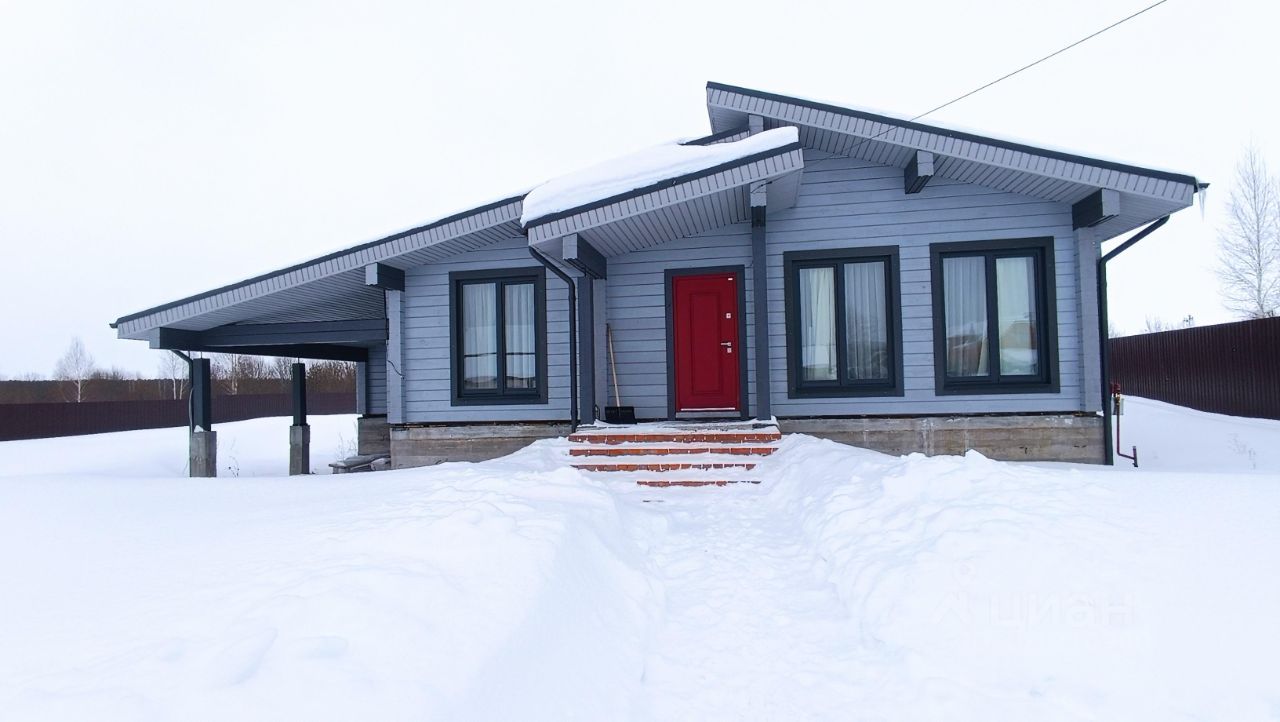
[[706, 350]]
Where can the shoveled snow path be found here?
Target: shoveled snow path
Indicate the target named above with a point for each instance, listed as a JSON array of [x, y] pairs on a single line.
[[749, 629]]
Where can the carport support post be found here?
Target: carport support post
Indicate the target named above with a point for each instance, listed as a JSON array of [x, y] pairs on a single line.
[[203, 456], [300, 432]]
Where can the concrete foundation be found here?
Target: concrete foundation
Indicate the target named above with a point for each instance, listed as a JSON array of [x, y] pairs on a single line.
[[425, 445], [299, 450], [373, 436], [1012, 437], [203, 455]]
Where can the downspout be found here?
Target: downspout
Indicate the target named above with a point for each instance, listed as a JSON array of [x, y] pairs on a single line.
[[1104, 336], [191, 412], [573, 334]]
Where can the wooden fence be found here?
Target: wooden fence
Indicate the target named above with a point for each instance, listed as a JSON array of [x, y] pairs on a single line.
[[1230, 368], [37, 421]]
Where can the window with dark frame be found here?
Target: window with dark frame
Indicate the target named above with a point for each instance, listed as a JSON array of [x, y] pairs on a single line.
[[498, 338], [843, 322], [994, 317]]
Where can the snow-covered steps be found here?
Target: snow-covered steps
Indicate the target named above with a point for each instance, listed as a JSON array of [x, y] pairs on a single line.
[[675, 437], [694, 482], [651, 465], [670, 449], [665, 455]]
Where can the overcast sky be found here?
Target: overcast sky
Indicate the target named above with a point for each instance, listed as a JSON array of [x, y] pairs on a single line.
[[150, 150]]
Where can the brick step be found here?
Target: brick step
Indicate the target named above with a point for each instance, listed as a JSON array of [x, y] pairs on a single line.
[[663, 466], [676, 437], [663, 483], [619, 450]]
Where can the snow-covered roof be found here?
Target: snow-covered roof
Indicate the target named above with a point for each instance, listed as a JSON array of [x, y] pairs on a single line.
[[642, 169]]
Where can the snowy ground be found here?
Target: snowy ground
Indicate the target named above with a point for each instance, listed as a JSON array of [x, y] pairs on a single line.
[[850, 585]]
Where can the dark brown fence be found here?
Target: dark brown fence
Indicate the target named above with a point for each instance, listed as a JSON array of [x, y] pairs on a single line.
[[1230, 368], [37, 421]]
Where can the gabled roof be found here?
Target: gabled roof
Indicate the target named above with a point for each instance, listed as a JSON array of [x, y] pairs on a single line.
[[674, 200], [1001, 164], [646, 171], [665, 193]]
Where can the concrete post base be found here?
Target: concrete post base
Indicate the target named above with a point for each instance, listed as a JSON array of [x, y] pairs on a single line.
[[203, 458], [299, 450]]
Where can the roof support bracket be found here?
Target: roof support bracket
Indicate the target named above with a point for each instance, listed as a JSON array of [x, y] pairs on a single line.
[[580, 254], [1098, 207], [918, 172], [380, 275]]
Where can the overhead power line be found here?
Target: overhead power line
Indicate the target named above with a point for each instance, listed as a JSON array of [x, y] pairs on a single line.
[[1006, 76], [1034, 63]]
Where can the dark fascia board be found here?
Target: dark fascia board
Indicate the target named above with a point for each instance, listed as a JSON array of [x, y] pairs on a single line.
[[360, 331], [324, 352], [710, 139], [960, 135], [316, 261], [663, 184]]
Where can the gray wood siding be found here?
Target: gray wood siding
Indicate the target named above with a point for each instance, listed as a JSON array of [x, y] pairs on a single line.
[[846, 203], [376, 380], [427, 344]]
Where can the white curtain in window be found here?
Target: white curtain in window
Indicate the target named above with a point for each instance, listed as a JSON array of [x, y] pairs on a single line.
[[964, 301], [817, 324], [1016, 314], [866, 321], [521, 353], [479, 336]]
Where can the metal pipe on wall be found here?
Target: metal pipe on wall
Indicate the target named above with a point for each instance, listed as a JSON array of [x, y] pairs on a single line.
[[1103, 333], [573, 333]]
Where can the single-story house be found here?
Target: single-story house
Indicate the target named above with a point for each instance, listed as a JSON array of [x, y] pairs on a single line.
[[878, 281]]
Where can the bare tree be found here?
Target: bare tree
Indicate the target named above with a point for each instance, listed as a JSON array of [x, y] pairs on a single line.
[[280, 368], [332, 376], [1154, 324], [233, 369], [172, 372], [76, 367], [1249, 245]]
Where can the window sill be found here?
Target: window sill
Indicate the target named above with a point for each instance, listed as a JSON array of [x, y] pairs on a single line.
[[498, 400], [996, 389], [844, 393]]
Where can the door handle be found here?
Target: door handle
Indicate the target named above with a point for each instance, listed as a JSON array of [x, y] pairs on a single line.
[[727, 344]]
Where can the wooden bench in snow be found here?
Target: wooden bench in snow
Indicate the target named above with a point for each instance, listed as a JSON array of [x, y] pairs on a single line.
[[365, 462]]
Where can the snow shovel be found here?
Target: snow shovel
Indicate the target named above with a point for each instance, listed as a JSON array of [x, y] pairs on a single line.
[[616, 414]]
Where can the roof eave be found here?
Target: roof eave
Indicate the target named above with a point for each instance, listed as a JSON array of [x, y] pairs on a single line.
[[660, 185], [513, 201], [946, 133]]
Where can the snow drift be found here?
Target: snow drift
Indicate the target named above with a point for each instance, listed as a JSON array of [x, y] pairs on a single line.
[[849, 585]]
